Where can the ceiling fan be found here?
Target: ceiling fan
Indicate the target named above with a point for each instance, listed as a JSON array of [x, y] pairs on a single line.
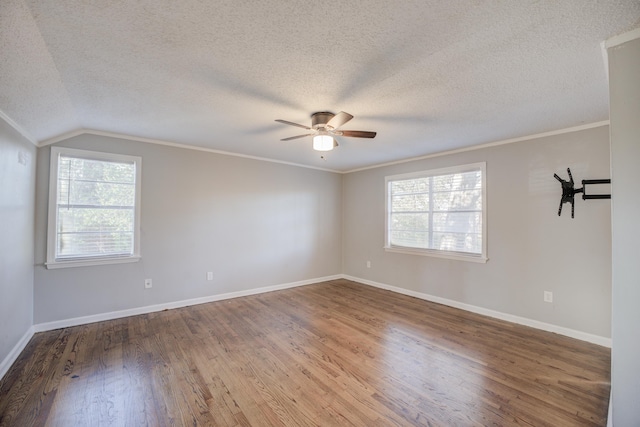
[[324, 126]]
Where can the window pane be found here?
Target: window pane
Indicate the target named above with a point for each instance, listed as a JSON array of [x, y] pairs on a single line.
[[87, 219], [95, 207], [439, 212], [95, 244], [458, 181], [458, 200], [459, 222], [92, 232], [410, 239], [457, 242], [95, 170], [410, 203], [96, 193], [407, 186], [411, 222]]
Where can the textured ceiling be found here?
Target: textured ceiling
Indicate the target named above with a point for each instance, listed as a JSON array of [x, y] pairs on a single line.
[[428, 76]]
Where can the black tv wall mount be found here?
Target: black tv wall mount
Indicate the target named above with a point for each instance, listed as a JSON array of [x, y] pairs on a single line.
[[568, 192]]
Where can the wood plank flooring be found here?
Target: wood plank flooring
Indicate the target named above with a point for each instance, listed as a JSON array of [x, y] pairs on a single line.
[[333, 353]]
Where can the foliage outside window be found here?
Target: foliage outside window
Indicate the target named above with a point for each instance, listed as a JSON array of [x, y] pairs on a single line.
[[438, 212], [94, 208]]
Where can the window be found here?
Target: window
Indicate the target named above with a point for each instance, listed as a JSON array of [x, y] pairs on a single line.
[[438, 212], [94, 208]]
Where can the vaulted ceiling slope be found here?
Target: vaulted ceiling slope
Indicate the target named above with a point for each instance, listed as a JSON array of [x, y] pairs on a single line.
[[428, 76]]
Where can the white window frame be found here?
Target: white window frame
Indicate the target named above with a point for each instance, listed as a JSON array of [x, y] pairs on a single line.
[[52, 261], [463, 256]]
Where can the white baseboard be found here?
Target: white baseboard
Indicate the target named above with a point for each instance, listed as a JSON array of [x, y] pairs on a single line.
[[595, 339], [49, 326], [5, 365], [65, 323]]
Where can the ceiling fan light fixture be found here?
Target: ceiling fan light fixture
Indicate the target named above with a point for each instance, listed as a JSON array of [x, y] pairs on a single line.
[[323, 142], [324, 126]]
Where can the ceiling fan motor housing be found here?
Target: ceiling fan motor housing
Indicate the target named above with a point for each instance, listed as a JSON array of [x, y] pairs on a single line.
[[319, 120]]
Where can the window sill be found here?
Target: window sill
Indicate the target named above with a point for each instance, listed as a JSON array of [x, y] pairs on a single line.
[[438, 254], [89, 262]]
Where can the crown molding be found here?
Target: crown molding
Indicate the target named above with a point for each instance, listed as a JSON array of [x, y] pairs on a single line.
[[622, 38], [79, 132], [489, 144], [18, 128]]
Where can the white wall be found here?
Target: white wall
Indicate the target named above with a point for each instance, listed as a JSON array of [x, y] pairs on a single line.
[[530, 248], [624, 74], [17, 189], [252, 223]]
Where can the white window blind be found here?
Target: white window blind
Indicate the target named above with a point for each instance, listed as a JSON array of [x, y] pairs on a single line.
[[440, 210], [95, 206]]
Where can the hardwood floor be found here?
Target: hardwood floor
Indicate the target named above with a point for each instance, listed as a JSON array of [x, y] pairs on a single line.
[[333, 353]]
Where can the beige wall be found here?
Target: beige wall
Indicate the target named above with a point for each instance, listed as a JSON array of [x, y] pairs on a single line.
[[257, 224], [624, 73], [17, 186], [530, 248], [252, 223]]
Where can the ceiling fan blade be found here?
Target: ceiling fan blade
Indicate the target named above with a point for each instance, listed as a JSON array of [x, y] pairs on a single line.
[[338, 120], [357, 133], [293, 124], [296, 137]]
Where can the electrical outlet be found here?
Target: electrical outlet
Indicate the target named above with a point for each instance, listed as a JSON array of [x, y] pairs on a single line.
[[210, 275], [368, 264], [148, 283], [548, 296]]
